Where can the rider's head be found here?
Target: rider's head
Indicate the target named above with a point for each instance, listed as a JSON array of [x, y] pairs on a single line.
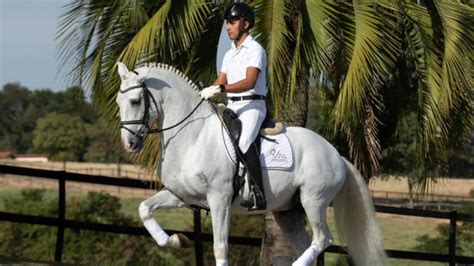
[[241, 13]]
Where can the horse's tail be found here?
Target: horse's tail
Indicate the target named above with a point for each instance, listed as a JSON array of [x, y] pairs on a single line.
[[355, 220]]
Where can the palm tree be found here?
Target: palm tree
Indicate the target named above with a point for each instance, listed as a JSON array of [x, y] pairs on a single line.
[[360, 54]]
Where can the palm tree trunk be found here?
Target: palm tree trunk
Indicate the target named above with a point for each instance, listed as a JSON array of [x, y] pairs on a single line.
[[410, 193], [276, 250]]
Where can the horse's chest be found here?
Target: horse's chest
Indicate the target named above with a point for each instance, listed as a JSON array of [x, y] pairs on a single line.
[[190, 187]]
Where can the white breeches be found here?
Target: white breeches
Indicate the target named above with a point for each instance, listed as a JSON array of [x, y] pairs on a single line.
[[251, 113]]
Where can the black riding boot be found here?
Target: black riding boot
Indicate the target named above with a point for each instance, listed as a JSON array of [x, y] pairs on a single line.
[[251, 160]]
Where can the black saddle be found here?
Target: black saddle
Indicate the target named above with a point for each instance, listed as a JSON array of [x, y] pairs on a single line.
[[234, 125]]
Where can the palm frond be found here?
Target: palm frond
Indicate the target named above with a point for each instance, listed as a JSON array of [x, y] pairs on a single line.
[[199, 65], [143, 43], [82, 35], [456, 21], [426, 55], [298, 77], [372, 43], [320, 34], [273, 34], [168, 33], [439, 44], [186, 24], [372, 59]]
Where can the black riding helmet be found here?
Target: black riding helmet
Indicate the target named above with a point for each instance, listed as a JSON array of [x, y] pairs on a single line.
[[242, 11]]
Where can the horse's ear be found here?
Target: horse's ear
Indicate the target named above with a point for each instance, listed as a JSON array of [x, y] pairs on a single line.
[[143, 75], [122, 70]]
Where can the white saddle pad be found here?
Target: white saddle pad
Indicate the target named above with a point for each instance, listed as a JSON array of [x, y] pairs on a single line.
[[275, 153]]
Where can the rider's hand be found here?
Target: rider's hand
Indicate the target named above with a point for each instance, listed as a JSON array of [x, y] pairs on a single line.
[[210, 92]]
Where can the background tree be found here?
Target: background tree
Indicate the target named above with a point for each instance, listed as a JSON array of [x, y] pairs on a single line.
[[21, 108], [101, 144], [13, 103], [62, 136]]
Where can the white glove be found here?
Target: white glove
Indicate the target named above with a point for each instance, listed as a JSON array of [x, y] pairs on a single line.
[[210, 91]]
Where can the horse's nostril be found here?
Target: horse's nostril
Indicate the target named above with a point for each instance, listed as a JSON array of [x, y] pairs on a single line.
[[130, 144]]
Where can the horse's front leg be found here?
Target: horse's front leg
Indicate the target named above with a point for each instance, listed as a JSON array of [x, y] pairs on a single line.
[[162, 199], [219, 203]]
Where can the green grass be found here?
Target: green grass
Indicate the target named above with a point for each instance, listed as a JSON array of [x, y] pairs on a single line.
[[400, 233], [6, 193]]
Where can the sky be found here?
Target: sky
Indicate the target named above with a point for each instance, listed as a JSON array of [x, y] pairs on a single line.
[[28, 47], [27, 43]]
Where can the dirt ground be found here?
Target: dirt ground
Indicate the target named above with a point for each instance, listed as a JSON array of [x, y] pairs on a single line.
[[443, 186]]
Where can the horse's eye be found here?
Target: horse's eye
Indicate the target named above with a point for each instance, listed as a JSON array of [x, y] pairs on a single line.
[[135, 102]]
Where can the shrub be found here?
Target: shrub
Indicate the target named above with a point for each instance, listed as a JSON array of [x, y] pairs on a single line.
[[440, 243], [22, 242]]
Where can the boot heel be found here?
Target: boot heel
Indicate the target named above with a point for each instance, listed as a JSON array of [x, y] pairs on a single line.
[[257, 202]]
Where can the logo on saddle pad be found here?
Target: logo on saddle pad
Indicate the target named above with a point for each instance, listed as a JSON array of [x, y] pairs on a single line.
[[278, 156], [276, 153]]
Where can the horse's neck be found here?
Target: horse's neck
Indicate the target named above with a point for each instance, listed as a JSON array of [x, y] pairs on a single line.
[[178, 97]]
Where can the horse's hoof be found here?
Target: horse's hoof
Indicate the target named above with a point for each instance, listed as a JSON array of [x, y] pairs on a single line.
[[180, 241]]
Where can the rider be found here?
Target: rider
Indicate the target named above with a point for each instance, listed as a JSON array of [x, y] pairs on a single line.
[[243, 77]]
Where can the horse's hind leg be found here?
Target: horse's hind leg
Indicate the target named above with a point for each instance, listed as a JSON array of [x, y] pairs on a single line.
[[162, 199], [292, 225], [315, 204]]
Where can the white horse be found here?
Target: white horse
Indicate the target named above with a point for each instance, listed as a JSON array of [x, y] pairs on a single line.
[[195, 169]]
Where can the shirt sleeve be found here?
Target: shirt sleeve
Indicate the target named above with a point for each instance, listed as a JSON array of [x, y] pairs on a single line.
[[224, 63], [256, 58]]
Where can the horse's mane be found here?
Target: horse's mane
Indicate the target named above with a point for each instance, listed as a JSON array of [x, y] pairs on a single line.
[[162, 66]]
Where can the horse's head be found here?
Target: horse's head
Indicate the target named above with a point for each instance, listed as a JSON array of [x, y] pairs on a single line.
[[134, 101]]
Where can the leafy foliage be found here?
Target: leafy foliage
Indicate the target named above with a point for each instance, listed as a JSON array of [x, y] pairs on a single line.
[[13, 103], [61, 135], [354, 48], [102, 146], [20, 242], [464, 236], [21, 109]]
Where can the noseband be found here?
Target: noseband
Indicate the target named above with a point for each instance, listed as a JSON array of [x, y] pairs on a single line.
[[145, 121]]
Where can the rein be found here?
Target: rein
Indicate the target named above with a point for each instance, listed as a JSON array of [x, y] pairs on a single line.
[[237, 180], [156, 130], [146, 115]]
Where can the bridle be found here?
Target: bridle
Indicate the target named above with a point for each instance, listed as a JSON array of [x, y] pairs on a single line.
[[145, 121]]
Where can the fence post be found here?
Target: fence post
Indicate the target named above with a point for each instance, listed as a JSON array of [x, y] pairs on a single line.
[[198, 238], [320, 259], [61, 217], [452, 237]]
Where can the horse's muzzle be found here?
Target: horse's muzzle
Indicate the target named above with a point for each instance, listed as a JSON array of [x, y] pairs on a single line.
[[132, 144]]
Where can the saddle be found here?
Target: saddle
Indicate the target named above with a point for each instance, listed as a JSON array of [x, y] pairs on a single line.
[[268, 128], [234, 127]]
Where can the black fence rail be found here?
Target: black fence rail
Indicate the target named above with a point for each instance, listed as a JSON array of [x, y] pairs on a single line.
[[197, 236]]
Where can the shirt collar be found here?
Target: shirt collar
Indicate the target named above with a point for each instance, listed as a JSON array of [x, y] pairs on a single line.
[[246, 42]]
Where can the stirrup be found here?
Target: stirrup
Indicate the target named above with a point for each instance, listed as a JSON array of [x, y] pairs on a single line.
[[257, 202]]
